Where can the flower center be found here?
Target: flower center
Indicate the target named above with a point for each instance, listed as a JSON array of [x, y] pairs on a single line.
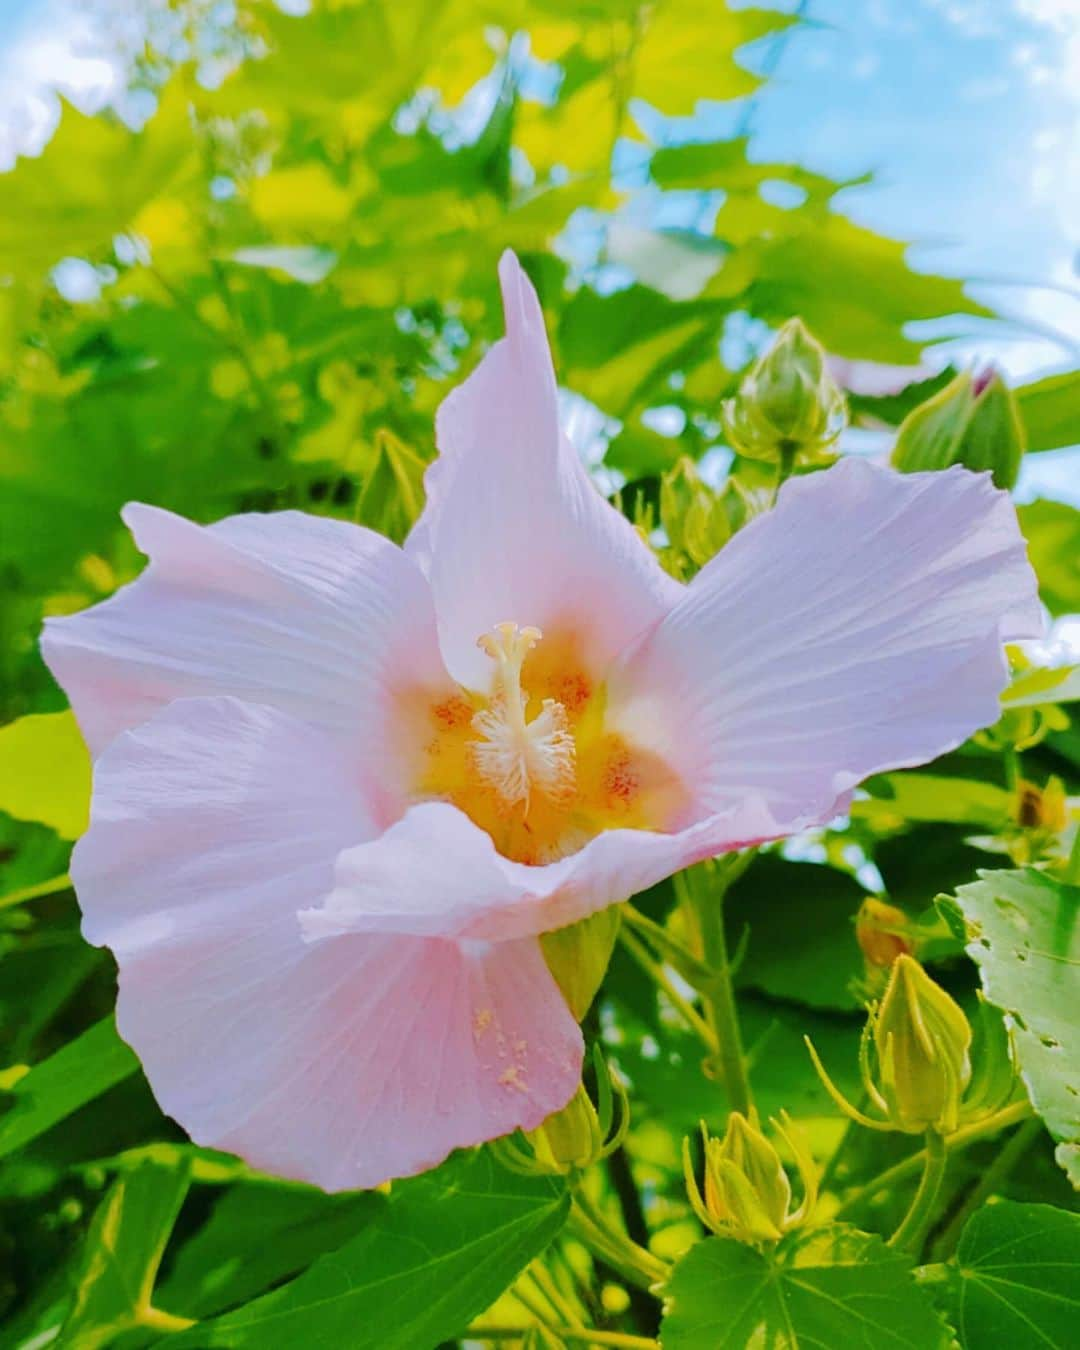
[[515, 756], [532, 760]]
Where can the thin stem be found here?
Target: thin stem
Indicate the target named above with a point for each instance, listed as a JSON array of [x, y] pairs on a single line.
[[545, 1282], [909, 1236], [784, 468], [1000, 1120], [621, 1340], [722, 1014], [619, 1251], [158, 1320], [35, 892], [656, 971], [990, 1180], [1011, 758]]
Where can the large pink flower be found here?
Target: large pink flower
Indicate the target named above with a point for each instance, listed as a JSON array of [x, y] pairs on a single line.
[[341, 786]]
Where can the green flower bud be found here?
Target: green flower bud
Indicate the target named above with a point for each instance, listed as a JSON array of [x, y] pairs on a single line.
[[696, 518], [973, 421], [922, 1039], [788, 407], [747, 1194], [575, 1137]]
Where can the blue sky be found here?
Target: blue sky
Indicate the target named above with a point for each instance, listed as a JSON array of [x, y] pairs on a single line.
[[967, 112]]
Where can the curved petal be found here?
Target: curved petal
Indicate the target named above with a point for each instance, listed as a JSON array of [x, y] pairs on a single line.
[[513, 528], [858, 627], [344, 1062], [317, 617], [435, 873]]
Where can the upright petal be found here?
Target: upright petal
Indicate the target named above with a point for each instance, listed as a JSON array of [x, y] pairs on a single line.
[[343, 1062], [514, 529], [317, 617], [857, 627]]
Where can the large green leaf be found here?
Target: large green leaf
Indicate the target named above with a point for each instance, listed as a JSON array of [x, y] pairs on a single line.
[[84, 1069], [92, 181], [800, 920], [1052, 530], [828, 1287], [1018, 1272], [1024, 935], [45, 772], [1050, 410], [123, 1250], [258, 1235], [442, 1249]]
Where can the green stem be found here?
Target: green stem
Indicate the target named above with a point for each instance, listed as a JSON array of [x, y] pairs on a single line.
[[992, 1178], [721, 1012], [1011, 758], [1000, 1120], [157, 1320], [42, 888], [657, 973], [909, 1236], [616, 1248], [784, 469], [621, 1340]]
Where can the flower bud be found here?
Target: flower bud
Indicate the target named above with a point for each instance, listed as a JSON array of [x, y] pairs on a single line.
[[973, 421], [575, 1137], [747, 1194], [1041, 808], [922, 1039], [882, 932], [788, 406], [694, 516]]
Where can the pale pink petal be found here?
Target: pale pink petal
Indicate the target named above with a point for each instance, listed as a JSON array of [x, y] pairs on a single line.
[[435, 873], [514, 530], [858, 627], [343, 1062], [317, 617]]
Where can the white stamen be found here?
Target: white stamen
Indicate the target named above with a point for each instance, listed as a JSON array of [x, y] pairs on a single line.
[[516, 757]]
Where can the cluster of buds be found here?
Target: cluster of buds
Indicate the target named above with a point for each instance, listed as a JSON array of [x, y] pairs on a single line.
[[697, 519], [574, 1138], [916, 1059], [973, 421], [746, 1193], [788, 408]]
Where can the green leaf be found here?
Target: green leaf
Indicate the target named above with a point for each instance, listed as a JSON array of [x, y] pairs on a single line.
[[1050, 410], [830, 1287], [1052, 530], [1018, 1272], [1055, 684], [1024, 935], [258, 1235], [898, 797], [440, 1251], [123, 1250], [801, 923], [45, 772], [84, 1069], [92, 181], [393, 494]]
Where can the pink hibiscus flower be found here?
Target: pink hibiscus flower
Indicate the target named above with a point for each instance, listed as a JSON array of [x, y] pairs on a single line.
[[342, 786]]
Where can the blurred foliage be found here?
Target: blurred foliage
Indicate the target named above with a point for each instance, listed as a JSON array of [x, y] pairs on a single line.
[[256, 300]]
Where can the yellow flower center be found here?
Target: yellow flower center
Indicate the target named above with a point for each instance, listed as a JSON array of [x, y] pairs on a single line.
[[530, 760]]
